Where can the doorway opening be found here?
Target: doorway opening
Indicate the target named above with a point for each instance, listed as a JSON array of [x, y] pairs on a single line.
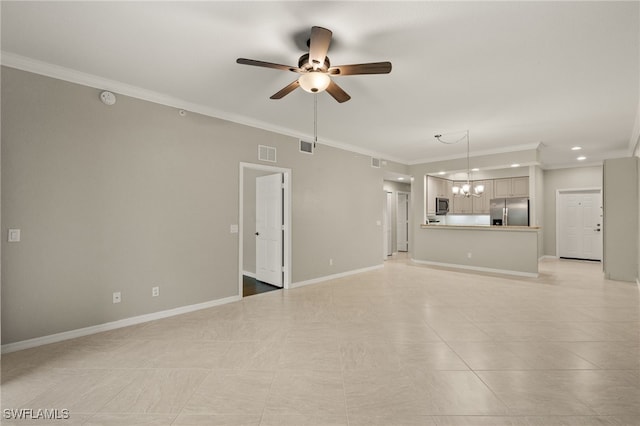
[[579, 223], [264, 228], [396, 216]]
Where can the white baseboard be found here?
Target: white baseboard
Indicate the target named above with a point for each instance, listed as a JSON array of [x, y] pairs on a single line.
[[478, 268], [72, 334], [334, 276], [548, 256]]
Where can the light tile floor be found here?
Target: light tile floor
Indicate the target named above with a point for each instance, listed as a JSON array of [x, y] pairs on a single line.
[[403, 345]]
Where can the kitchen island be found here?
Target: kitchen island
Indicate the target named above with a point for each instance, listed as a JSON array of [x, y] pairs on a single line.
[[509, 250]]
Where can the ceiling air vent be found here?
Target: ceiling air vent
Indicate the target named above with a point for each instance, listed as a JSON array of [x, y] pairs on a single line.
[[306, 147], [266, 153], [375, 162]]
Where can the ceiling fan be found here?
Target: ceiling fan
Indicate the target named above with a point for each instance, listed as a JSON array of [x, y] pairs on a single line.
[[316, 71]]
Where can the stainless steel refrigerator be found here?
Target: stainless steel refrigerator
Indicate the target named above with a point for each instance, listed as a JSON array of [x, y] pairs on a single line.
[[510, 211]]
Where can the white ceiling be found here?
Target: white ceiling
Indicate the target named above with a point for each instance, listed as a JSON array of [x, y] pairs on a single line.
[[515, 74]]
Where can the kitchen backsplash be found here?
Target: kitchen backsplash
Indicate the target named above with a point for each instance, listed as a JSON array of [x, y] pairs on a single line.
[[453, 219]]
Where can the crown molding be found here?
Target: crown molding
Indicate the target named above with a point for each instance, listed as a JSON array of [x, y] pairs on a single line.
[[504, 150], [571, 165], [24, 63]]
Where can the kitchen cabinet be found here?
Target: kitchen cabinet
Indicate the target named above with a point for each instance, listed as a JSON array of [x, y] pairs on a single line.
[[482, 204], [462, 205], [437, 187], [511, 187]]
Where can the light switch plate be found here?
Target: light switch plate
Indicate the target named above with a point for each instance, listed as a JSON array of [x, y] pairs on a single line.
[[14, 236], [233, 229]]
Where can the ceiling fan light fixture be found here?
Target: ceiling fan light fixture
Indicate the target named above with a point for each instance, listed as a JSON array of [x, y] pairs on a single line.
[[314, 81]]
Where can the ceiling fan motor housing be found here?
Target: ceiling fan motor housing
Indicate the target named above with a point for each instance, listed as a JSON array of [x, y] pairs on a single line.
[[305, 64]]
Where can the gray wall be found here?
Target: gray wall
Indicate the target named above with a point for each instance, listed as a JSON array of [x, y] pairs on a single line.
[[539, 206], [572, 178], [132, 196], [620, 179]]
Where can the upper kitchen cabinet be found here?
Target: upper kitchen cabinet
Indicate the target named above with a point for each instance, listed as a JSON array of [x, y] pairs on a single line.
[[482, 204], [511, 187], [462, 205], [437, 188]]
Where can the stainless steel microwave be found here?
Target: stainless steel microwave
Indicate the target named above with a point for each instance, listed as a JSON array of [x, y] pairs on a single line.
[[442, 206]]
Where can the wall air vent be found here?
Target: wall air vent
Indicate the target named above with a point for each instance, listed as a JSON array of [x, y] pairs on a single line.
[[266, 153], [375, 162], [306, 147]]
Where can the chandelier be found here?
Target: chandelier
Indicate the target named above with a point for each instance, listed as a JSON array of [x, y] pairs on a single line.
[[465, 190]]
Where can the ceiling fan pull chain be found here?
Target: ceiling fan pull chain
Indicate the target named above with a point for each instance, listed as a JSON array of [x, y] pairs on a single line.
[[315, 119]]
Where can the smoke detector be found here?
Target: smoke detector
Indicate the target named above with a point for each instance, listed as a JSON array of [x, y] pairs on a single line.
[[107, 98]]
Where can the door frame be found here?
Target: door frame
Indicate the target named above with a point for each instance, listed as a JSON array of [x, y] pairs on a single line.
[[286, 211], [388, 223], [408, 194], [574, 191]]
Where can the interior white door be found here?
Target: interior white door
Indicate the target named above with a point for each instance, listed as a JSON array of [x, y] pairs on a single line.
[[580, 225], [402, 219], [269, 229]]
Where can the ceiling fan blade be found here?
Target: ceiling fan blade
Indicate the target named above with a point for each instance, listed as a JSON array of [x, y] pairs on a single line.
[[286, 90], [319, 46], [263, 64], [356, 69], [337, 92]]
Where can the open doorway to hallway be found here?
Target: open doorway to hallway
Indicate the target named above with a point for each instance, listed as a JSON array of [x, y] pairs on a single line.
[[396, 216], [264, 254]]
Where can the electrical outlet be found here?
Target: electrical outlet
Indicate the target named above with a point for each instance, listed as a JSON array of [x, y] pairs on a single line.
[[330, 262], [117, 297], [155, 292], [469, 255]]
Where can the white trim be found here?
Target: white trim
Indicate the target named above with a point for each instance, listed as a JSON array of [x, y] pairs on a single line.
[[249, 274], [287, 220], [335, 276], [80, 332], [23, 63], [548, 256], [477, 268], [576, 165]]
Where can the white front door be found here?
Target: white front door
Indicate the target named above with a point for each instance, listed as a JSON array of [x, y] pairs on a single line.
[[402, 220], [269, 229], [580, 224]]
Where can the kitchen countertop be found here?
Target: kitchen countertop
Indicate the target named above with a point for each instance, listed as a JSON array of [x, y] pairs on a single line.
[[483, 227]]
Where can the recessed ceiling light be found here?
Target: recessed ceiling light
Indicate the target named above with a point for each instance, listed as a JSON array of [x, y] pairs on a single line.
[[400, 178], [581, 158], [441, 173], [576, 148], [475, 169], [515, 165]]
